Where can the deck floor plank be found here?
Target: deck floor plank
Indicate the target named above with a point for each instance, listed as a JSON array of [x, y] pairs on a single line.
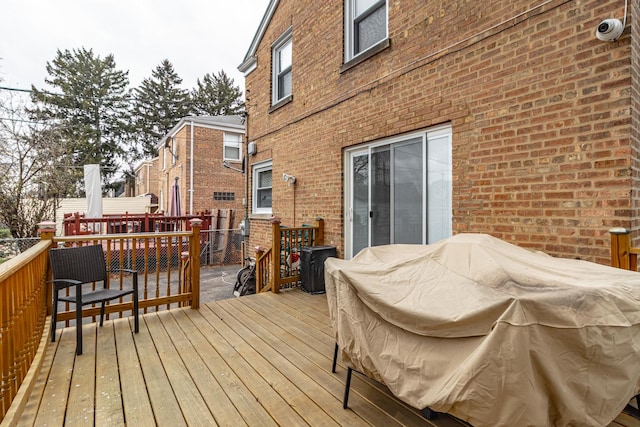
[[305, 330], [80, 407], [193, 407], [237, 392], [161, 394], [259, 360], [108, 408], [305, 407], [136, 403], [56, 393], [30, 412], [297, 368], [221, 406], [277, 407]]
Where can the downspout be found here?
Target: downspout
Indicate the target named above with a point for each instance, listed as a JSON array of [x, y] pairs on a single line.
[[246, 167], [245, 236], [191, 172]]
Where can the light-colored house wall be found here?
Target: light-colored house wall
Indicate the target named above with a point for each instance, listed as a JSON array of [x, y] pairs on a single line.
[[146, 180], [110, 206]]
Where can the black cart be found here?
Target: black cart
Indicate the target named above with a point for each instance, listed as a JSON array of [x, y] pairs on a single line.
[[312, 261]]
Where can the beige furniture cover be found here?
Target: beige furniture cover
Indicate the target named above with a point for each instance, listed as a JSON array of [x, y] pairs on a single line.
[[489, 332]]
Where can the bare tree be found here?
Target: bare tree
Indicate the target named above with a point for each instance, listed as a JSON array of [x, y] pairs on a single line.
[[33, 175]]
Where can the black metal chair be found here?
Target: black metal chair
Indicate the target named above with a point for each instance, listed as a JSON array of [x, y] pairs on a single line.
[[79, 265]]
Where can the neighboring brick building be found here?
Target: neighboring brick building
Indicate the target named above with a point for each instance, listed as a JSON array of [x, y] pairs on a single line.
[[196, 151], [417, 120]]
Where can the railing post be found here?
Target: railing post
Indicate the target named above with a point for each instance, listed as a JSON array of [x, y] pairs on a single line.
[[319, 240], [47, 229], [194, 256], [275, 254], [259, 273], [185, 279], [620, 248], [76, 223]]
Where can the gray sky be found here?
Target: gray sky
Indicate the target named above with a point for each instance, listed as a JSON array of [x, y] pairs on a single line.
[[197, 37]]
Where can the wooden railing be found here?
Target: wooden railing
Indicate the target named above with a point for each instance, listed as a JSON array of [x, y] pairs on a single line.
[[23, 311], [166, 280], [623, 255], [279, 266], [160, 264]]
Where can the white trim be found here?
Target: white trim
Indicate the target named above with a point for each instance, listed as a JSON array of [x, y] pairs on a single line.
[[233, 144], [198, 122], [250, 61], [349, 37], [256, 168], [276, 47], [191, 160]]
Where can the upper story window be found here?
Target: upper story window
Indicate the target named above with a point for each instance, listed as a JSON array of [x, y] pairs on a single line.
[[232, 143], [164, 157], [365, 25], [281, 53]]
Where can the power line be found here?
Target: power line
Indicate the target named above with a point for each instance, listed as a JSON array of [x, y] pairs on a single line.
[[63, 95], [13, 89]]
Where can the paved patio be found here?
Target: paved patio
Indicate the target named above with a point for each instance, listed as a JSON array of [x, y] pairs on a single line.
[[216, 283]]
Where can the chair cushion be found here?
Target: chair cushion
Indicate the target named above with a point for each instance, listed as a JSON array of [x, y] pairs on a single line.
[[98, 295]]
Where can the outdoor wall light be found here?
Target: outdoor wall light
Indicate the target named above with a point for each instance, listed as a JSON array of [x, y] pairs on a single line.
[[289, 179]]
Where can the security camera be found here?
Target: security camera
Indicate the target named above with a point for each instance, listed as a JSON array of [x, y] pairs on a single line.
[[609, 30]]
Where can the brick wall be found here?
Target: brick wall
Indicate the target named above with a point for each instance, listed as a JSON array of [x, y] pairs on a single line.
[[209, 175], [541, 113]]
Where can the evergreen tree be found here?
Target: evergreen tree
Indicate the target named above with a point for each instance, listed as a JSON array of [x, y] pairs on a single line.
[[159, 104], [89, 107], [217, 96]]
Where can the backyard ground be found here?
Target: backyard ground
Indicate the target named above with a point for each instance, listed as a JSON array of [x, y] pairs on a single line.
[[216, 283]]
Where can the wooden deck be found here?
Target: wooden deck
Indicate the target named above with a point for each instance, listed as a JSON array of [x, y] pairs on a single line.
[[206, 367]]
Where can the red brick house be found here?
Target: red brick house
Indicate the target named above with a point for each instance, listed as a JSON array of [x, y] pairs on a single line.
[[205, 154], [410, 121]]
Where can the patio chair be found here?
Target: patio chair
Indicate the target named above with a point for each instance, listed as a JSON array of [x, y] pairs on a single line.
[[85, 264]]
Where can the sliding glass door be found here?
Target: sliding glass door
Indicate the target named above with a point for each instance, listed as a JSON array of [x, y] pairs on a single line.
[[399, 191]]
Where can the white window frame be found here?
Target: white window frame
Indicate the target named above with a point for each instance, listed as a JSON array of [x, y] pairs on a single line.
[[256, 170], [429, 134], [235, 143], [350, 21], [277, 47]]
